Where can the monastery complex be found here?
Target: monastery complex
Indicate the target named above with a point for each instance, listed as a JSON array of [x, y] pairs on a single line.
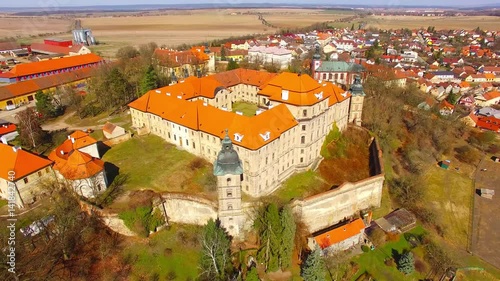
[[285, 136]]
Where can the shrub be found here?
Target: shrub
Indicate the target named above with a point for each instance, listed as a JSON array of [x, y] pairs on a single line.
[[391, 236], [365, 248], [167, 252], [142, 219], [196, 163]]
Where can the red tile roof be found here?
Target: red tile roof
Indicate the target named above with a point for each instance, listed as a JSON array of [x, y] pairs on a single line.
[[488, 123], [23, 163], [491, 95], [194, 56], [339, 234], [7, 128]]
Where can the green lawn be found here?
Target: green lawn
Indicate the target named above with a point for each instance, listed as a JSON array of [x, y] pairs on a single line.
[[373, 261], [299, 186], [448, 194], [3, 203], [152, 163], [150, 257], [248, 109]]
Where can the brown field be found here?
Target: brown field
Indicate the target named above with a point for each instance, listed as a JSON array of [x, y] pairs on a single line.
[[20, 27], [465, 22], [173, 28]]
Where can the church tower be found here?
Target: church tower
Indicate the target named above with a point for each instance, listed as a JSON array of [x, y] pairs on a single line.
[[316, 63], [229, 172], [357, 99]]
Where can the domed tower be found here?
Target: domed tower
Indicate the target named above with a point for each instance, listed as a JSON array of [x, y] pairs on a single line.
[[357, 99], [229, 171]]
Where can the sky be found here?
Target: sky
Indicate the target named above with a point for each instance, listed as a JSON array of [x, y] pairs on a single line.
[[393, 3]]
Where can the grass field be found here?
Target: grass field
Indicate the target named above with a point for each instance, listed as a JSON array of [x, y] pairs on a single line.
[[19, 27], [152, 163], [248, 109], [447, 193], [300, 185], [166, 253]]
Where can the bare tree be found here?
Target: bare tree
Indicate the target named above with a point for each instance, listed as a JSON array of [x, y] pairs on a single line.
[[30, 130]]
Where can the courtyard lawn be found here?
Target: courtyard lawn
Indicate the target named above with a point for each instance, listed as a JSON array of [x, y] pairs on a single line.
[[152, 163], [248, 109], [373, 261], [167, 255], [448, 194], [299, 186]]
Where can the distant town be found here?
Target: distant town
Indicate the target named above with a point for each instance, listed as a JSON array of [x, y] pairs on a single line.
[[319, 152]]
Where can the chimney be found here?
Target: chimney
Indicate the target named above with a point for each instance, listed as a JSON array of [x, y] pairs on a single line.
[[62, 152], [72, 140], [284, 94], [69, 137]]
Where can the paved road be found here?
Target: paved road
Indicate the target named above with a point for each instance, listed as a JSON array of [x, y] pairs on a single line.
[[486, 223]]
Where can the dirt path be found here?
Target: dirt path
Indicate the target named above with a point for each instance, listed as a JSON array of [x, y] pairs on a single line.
[[117, 225]]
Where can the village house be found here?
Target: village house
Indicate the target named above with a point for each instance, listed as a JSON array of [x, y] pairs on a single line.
[[274, 55], [338, 238], [77, 161], [339, 72], [445, 108], [488, 99], [178, 65], [285, 136], [26, 169]]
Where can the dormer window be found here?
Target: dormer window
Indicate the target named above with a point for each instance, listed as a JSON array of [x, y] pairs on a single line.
[[238, 137], [266, 136], [319, 95]]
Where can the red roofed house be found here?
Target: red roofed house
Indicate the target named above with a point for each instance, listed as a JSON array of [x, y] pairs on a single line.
[[8, 131], [489, 123], [49, 49], [446, 108], [76, 160], [183, 64], [20, 173], [339, 237]]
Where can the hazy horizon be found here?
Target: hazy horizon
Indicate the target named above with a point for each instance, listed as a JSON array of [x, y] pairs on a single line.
[[53, 4]]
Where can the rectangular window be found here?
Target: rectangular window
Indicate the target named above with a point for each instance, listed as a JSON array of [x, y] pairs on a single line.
[[46, 170], [304, 113], [175, 137], [229, 194], [26, 180], [194, 146], [187, 142], [301, 160], [303, 127], [169, 135], [39, 173]]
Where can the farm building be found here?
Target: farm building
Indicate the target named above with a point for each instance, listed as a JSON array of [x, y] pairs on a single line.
[[13, 95], [28, 71]]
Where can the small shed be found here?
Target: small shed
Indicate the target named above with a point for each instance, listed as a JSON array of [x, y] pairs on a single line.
[[111, 131], [487, 193], [445, 164]]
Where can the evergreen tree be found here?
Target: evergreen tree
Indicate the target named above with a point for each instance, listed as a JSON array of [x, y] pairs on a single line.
[[215, 258], [232, 65], [288, 229], [252, 275], [406, 263], [352, 27], [30, 131], [223, 53], [270, 240], [314, 268], [149, 80]]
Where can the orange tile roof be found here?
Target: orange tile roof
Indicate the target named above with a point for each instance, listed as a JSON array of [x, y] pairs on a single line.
[[53, 64], [32, 86], [198, 116], [195, 55], [339, 234], [23, 163], [491, 95], [79, 165], [244, 76], [49, 49], [302, 90], [72, 163], [488, 123]]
